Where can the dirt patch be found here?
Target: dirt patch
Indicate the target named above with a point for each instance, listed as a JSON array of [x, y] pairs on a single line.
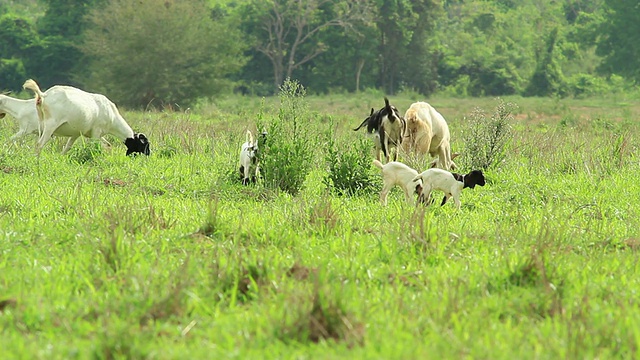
[[7, 303], [114, 182], [300, 272]]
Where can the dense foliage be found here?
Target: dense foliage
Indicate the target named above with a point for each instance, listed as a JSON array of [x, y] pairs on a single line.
[[462, 48]]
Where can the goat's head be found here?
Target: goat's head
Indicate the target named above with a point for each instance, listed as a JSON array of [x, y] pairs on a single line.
[[475, 177], [390, 111], [138, 144]]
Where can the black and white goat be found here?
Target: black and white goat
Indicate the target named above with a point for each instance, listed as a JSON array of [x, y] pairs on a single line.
[[68, 111], [387, 127], [449, 183], [249, 158]]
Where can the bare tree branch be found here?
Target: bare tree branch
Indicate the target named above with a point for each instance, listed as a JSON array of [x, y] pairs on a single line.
[[290, 24]]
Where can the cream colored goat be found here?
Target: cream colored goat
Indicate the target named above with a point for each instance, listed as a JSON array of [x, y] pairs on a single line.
[[428, 132]]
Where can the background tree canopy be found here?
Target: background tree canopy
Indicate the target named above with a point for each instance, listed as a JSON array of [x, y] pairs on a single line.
[[169, 52], [174, 54]]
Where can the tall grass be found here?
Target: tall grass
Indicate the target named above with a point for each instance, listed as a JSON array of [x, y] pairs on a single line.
[[168, 256]]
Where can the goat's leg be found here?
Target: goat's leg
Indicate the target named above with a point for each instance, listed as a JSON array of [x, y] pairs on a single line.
[[444, 156], [257, 172], [47, 132], [69, 144], [384, 193], [384, 145], [407, 195], [18, 135], [246, 178], [456, 200], [426, 196]]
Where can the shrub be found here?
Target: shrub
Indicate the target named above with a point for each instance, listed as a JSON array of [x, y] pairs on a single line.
[[487, 138], [585, 85], [285, 157], [349, 168]]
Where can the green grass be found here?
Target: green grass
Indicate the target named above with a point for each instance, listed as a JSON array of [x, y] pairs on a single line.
[[168, 257]]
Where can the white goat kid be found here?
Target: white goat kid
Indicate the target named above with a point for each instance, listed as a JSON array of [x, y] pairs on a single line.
[[24, 111], [68, 111], [449, 183], [249, 160], [396, 173], [428, 132]]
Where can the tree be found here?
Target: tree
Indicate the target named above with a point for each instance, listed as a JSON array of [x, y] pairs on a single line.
[[18, 37], [349, 64], [421, 56], [56, 57], [287, 30], [618, 42], [548, 78], [393, 38], [173, 55], [407, 54]]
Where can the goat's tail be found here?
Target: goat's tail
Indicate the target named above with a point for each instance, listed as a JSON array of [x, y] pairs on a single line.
[[249, 137], [33, 86], [377, 163]]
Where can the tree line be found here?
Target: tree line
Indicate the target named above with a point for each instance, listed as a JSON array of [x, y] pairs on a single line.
[[173, 53]]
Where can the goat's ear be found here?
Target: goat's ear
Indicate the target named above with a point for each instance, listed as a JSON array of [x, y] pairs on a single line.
[[371, 112]]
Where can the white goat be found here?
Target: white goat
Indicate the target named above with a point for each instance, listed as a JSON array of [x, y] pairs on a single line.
[[428, 132], [24, 111], [396, 173], [68, 111], [249, 159]]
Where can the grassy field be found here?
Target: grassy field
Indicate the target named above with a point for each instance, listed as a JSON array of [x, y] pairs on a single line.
[[169, 257]]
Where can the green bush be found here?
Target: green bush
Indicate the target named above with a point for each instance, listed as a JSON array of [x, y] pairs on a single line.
[[286, 155], [487, 137], [349, 167], [585, 85]]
